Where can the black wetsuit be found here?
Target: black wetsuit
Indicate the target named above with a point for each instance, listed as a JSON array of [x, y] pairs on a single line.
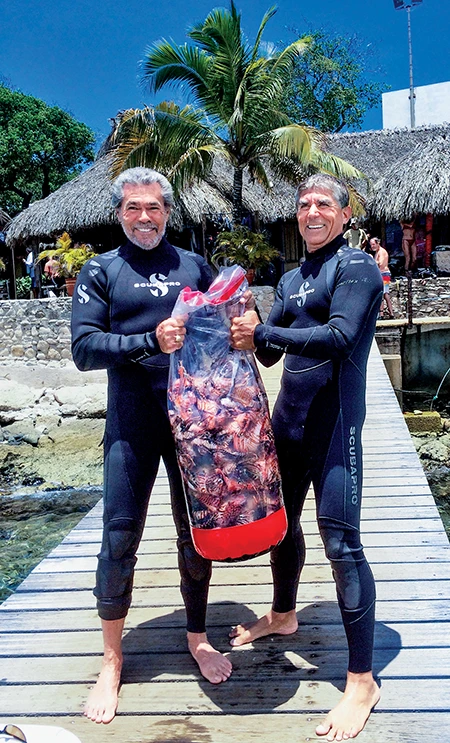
[[120, 298], [323, 319]]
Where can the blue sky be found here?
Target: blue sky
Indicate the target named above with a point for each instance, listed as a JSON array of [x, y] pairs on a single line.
[[84, 55]]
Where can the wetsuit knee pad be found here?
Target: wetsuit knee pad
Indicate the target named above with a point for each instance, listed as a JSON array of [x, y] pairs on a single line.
[[340, 542], [122, 538], [192, 563], [352, 574]]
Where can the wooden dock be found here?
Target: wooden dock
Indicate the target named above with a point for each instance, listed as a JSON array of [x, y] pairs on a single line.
[[50, 641]]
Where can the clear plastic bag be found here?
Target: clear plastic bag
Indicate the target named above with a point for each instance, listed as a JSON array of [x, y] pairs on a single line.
[[220, 420]]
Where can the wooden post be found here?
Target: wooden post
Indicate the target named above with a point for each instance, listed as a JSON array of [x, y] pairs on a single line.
[[428, 240], [409, 301], [204, 251]]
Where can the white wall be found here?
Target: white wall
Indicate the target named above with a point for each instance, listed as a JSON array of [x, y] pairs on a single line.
[[432, 106]]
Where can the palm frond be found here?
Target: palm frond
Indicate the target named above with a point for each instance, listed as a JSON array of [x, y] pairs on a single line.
[[266, 18], [167, 63], [284, 61], [329, 163]]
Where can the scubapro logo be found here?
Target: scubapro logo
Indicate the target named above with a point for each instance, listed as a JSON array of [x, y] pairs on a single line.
[[302, 293], [353, 464], [161, 289], [83, 296], [158, 284]]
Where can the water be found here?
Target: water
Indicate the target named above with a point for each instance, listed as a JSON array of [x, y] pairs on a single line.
[[32, 524], [440, 487]]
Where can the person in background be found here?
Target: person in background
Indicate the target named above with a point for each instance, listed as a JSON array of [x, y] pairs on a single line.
[[31, 271], [52, 270], [409, 244], [382, 260], [121, 321], [355, 236], [323, 320]]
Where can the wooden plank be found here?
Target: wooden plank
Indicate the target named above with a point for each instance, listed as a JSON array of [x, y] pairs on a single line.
[[154, 638], [170, 597], [269, 664], [383, 727], [313, 543], [226, 613], [241, 575], [289, 694]]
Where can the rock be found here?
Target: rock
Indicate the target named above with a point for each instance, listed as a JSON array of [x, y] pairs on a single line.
[[434, 450], [19, 432], [15, 396], [427, 421], [88, 401], [445, 439], [72, 456]]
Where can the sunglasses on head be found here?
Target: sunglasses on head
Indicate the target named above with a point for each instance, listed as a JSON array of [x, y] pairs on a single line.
[[14, 732]]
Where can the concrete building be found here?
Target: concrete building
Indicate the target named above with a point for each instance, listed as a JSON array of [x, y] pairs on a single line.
[[432, 106]]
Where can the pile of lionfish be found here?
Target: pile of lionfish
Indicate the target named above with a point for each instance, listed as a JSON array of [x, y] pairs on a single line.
[[225, 445]]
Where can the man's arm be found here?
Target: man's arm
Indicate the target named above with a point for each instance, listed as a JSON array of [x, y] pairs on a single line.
[[93, 344], [358, 288]]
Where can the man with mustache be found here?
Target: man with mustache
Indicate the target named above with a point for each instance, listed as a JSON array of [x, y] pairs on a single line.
[[121, 321]]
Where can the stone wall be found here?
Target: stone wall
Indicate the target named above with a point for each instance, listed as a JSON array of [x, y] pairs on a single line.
[[264, 296], [431, 297], [38, 330], [35, 330]]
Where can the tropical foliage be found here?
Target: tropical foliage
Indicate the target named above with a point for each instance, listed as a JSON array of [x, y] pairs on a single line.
[[237, 90], [244, 248], [41, 147], [328, 88], [70, 256]]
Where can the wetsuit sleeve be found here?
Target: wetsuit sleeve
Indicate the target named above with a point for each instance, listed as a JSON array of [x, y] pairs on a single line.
[[93, 344], [357, 289]]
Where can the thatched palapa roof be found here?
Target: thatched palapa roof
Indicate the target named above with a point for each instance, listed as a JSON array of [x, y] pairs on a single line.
[[418, 184], [374, 152], [84, 202], [4, 219]]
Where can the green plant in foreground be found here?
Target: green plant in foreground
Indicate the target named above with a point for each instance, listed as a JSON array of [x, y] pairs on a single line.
[[244, 248], [71, 256], [23, 287]]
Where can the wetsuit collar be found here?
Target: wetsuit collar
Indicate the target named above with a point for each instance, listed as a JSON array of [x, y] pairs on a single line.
[[331, 247], [133, 248]]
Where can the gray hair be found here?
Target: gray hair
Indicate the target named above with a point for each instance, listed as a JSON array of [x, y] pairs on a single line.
[[138, 176], [327, 182]]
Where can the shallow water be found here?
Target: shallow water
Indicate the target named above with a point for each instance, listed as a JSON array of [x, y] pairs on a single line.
[[32, 524], [441, 493]]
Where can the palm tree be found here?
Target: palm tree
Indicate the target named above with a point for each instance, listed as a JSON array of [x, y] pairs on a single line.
[[237, 91]]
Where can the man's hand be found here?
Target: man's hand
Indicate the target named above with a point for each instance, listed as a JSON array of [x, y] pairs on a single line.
[[170, 334], [242, 329], [248, 299]]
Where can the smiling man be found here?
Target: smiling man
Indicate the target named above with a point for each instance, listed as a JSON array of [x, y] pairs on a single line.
[[121, 322], [323, 321]]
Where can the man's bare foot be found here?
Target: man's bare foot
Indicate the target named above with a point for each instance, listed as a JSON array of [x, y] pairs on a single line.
[[214, 666], [101, 704], [272, 623], [348, 718]]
